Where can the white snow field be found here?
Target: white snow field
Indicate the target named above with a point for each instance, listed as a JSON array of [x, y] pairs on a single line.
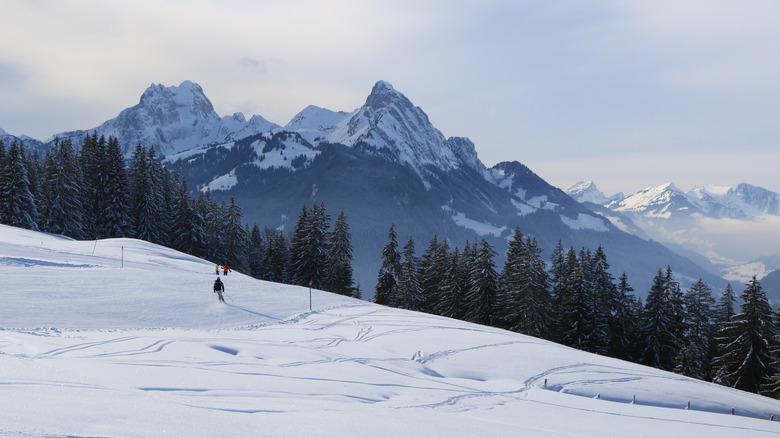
[[97, 340]]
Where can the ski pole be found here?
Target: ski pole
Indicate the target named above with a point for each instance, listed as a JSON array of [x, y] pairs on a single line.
[[231, 299]]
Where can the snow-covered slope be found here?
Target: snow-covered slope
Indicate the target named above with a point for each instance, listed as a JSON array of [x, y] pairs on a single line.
[[586, 191], [124, 338]]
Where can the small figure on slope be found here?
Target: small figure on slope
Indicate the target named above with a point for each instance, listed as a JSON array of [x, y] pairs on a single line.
[[225, 269], [216, 269], [219, 288]]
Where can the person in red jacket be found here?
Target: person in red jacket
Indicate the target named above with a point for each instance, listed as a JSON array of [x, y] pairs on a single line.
[[225, 269]]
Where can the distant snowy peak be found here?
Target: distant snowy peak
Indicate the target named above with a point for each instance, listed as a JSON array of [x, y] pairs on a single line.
[[390, 124], [586, 191], [174, 119], [667, 201]]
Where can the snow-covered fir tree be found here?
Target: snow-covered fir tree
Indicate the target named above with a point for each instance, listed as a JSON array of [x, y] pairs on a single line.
[[408, 292], [480, 298], [62, 207], [746, 342], [338, 261], [697, 349], [661, 323], [525, 305], [18, 207], [387, 279]]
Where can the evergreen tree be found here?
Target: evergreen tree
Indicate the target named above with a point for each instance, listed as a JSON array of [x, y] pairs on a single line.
[[19, 208], [143, 197], [187, 226], [525, 305], [746, 342], [92, 162], [603, 303], [694, 359], [276, 257], [308, 247], [387, 280], [236, 239], [451, 302], [63, 209], [115, 219], [432, 268], [409, 294], [772, 387], [724, 309], [480, 298], [623, 325], [661, 323], [338, 261], [256, 248]]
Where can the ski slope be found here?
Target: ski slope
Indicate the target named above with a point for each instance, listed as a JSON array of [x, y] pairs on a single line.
[[123, 338]]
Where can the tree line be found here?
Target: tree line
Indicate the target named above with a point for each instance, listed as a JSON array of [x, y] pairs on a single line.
[[574, 300], [94, 193]]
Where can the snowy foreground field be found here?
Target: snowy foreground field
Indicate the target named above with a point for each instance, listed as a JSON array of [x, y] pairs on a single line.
[[97, 340]]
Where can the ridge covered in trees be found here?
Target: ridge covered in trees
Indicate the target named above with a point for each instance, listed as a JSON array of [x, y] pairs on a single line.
[[93, 193]]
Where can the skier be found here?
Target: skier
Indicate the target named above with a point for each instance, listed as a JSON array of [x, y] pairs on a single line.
[[219, 287], [216, 269], [225, 269]]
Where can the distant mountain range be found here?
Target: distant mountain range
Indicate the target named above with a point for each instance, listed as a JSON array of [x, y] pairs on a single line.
[[383, 163], [711, 224]]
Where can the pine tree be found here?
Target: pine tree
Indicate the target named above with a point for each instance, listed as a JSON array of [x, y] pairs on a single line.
[[276, 257], [432, 268], [724, 309], [623, 324], [91, 160], [236, 238], [187, 226], [661, 323], [772, 387], [746, 342], [308, 247], [19, 207], [451, 302], [387, 279], [115, 219], [694, 359], [409, 294], [63, 210], [525, 304], [143, 197], [338, 261], [483, 286], [256, 249]]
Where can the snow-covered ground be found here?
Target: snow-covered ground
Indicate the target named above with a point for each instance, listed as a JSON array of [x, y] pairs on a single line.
[[124, 338]]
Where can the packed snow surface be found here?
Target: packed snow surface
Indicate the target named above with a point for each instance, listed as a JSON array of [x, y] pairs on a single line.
[[123, 338]]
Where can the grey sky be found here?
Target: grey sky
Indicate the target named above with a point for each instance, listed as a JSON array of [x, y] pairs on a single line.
[[626, 93]]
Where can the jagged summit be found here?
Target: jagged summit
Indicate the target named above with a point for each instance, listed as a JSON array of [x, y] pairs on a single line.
[[173, 119]]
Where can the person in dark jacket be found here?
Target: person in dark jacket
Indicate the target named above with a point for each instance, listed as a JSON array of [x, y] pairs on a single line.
[[219, 287]]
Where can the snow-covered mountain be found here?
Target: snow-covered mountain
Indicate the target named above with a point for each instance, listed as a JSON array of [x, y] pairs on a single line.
[[29, 143], [384, 163], [173, 119], [120, 337], [716, 222]]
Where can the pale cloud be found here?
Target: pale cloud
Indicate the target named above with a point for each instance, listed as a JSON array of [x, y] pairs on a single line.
[[627, 94]]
